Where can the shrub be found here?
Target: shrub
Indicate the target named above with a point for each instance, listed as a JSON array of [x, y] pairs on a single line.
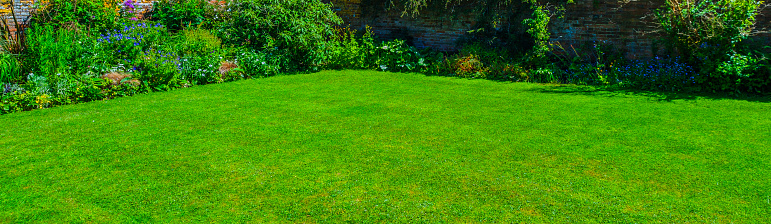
[[178, 14], [159, 70], [202, 69], [258, 64], [667, 74], [125, 44], [470, 67], [708, 33], [18, 100], [94, 15], [295, 29], [397, 56], [498, 64], [345, 50], [197, 42]]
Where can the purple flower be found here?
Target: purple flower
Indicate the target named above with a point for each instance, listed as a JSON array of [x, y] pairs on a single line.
[[129, 4]]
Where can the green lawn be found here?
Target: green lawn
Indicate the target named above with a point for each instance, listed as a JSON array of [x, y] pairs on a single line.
[[370, 146]]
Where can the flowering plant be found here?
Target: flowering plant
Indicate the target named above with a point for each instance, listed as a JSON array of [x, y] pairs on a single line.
[[128, 10], [127, 43], [159, 69], [200, 70]]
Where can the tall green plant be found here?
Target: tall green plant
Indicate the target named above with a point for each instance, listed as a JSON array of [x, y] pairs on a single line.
[[294, 28], [538, 28], [10, 68], [53, 53]]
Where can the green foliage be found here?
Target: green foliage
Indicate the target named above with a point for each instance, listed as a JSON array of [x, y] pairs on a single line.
[[10, 68], [539, 30], [94, 15], [178, 14], [295, 29], [258, 64], [125, 44], [159, 70], [54, 53], [478, 60], [197, 42], [89, 87], [201, 69], [709, 34], [16, 100], [396, 56], [413, 7], [346, 50]]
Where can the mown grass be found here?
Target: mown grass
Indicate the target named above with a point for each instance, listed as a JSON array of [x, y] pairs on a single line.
[[368, 146]]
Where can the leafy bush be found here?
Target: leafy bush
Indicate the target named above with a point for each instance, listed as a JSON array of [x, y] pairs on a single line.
[[258, 64], [14, 99], [708, 34], [159, 70], [667, 74], [293, 28], [201, 69], [197, 42], [178, 14], [125, 45], [95, 15], [345, 50], [470, 67], [397, 56], [478, 60]]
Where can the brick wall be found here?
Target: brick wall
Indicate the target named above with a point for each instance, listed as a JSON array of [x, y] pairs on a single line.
[[22, 10], [622, 25], [585, 22], [437, 29], [609, 22]]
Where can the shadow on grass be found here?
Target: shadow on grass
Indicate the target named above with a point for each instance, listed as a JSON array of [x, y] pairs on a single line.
[[659, 95]]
